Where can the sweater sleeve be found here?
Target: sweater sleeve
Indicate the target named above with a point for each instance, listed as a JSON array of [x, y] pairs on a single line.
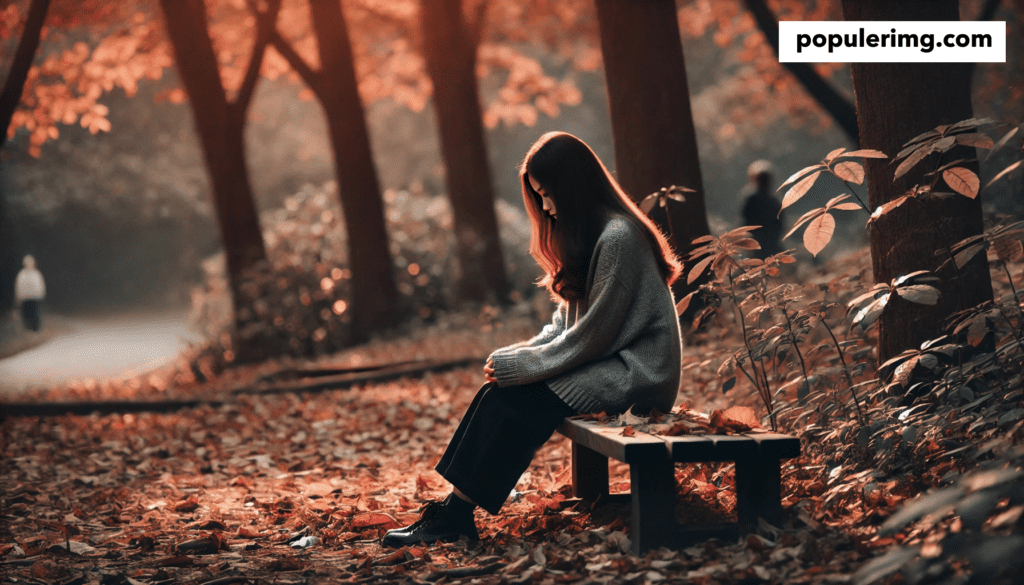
[[549, 332], [588, 339]]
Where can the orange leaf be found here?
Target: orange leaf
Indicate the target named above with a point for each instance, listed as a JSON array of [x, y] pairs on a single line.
[[743, 415], [819, 233], [962, 180], [375, 520], [800, 189], [866, 153], [248, 532], [697, 270], [850, 171]]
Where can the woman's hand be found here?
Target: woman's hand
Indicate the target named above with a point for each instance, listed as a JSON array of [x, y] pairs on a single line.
[[489, 371]]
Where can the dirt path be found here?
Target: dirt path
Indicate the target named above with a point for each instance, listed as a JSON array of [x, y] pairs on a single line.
[[100, 348]]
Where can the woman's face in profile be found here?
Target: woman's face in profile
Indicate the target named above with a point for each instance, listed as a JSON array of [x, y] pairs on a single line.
[[547, 203]]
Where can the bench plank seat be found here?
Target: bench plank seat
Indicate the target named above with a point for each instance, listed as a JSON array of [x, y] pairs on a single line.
[[652, 460]]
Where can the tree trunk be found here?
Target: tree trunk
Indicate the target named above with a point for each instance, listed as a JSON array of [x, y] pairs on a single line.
[[23, 57], [450, 51], [374, 294], [10, 97], [841, 110], [895, 103], [221, 126], [652, 125]]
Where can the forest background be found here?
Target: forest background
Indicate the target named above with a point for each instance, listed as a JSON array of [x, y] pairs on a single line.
[[133, 172], [130, 158]]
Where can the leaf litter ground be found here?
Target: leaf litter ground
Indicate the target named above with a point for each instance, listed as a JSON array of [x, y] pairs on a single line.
[[297, 488]]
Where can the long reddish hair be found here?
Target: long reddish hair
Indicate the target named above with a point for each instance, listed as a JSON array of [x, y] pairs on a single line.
[[585, 196]]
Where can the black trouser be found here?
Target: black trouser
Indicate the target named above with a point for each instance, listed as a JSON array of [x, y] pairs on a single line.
[[30, 314], [497, 439]]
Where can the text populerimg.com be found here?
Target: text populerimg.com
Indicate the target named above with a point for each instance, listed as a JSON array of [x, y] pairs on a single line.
[[926, 42]]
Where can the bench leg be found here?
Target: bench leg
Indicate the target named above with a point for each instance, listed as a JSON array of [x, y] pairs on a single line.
[[653, 522], [589, 473], [758, 490]]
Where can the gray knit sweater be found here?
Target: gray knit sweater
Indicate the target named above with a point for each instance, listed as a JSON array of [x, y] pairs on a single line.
[[617, 347]]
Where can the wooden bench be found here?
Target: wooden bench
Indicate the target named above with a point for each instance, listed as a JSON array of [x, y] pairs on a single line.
[[652, 460]]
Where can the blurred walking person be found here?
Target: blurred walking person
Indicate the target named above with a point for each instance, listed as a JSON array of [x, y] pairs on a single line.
[[29, 292], [761, 208]]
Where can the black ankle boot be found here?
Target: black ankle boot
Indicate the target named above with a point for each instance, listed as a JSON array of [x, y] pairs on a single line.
[[446, 521]]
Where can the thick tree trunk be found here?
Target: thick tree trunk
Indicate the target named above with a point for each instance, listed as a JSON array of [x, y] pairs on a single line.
[[895, 103], [451, 62], [10, 97], [374, 294], [652, 124], [841, 110], [221, 126]]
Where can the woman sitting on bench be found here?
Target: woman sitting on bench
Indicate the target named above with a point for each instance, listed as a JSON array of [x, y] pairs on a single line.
[[613, 343]]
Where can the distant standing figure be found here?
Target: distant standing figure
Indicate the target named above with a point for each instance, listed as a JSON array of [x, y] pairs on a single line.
[[760, 207], [29, 291]]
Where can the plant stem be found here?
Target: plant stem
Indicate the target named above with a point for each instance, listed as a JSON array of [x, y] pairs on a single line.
[[1016, 302], [846, 370], [764, 389], [855, 196]]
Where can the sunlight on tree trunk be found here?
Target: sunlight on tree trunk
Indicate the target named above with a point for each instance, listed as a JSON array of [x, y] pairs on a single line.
[[652, 124], [895, 103], [450, 50]]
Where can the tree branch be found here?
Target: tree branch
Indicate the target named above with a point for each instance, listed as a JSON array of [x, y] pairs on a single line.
[[841, 110], [265, 20], [10, 97], [313, 78]]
